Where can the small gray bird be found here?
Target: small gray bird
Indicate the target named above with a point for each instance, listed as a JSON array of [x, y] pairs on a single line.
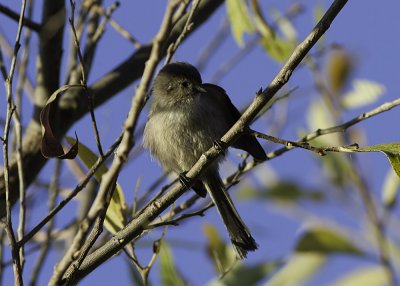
[[186, 118]]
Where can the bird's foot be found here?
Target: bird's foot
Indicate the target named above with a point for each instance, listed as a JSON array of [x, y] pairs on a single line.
[[220, 145], [184, 180]]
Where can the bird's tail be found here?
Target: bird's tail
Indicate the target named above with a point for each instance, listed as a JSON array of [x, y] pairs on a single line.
[[238, 232]]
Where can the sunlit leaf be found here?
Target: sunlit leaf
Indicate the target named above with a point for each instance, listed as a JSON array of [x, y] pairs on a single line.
[[286, 28], [298, 269], [261, 23], [319, 117], [220, 253], [245, 275], [326, 241], [339, 68], [291, 191], [364, 92], [283, 191], [115, 218], [277, 48], [390, 189], [239, 19], [51, 145], [371, 276], [170, 275], [391, 150]]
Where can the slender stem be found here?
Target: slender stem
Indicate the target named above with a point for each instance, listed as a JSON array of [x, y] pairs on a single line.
[[15, 16], [137, 226], [17, 265], [73, 194], [47, 243], [83, 79]]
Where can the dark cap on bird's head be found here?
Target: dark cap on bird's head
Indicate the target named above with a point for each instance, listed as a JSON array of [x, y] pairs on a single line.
[[180, 70], [177, 81]]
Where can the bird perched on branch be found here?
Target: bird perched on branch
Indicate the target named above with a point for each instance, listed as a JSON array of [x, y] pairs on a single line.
[[186, 118]]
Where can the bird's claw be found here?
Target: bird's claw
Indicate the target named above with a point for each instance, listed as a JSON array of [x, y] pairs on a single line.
[[220, 145], [184, 180]]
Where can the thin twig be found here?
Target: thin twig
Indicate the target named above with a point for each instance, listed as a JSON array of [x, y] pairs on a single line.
[[188, 25], [46, 244], [18, 137], [77, 189], [83, 79], [2, 264], [213, 45], [117, 27], [95, 217], [8, 52], [3, 69], [15, 16], [136, 227], [109, 178], [333, 105], [17, 263], [305, 145], [17, 268]]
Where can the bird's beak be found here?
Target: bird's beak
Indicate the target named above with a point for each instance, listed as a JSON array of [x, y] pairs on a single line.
[[200, 89]]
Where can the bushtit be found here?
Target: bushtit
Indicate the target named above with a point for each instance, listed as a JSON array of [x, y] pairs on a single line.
[[186, 118]]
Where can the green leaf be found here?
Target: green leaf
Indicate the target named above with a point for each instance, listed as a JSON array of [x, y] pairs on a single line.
[[277, 48], [390, 189], [326, 241], [298, 269], [364, 92], [220, 253], [285, 27], [115, 218], [239, 18], [245, 275], [291, 191], [391, 150], [319, 117], [282, 191], [260, 22], [170, 275], [371, 276], [339, 67]]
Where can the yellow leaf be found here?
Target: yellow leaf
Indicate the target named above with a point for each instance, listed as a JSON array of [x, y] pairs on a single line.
[[239, 18], [115, 218]]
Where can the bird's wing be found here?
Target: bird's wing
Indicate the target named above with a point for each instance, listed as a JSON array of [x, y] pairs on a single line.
[[246, 142]]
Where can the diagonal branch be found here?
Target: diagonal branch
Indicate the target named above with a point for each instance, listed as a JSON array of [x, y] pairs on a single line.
[[15, 16], [138, 225], [73, 106]]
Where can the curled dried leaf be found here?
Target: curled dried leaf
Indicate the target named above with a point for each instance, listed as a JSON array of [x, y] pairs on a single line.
[[51, 145]]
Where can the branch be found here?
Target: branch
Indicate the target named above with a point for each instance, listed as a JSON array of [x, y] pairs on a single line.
[[109, 178], [73, 106], [136, 227], [15, 16], [16, 252]]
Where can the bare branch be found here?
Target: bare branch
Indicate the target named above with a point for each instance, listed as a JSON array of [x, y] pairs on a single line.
[[138, 225], [73, 106], [15, 16]]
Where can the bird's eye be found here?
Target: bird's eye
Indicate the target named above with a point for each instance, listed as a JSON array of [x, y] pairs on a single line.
[[185, 84]]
